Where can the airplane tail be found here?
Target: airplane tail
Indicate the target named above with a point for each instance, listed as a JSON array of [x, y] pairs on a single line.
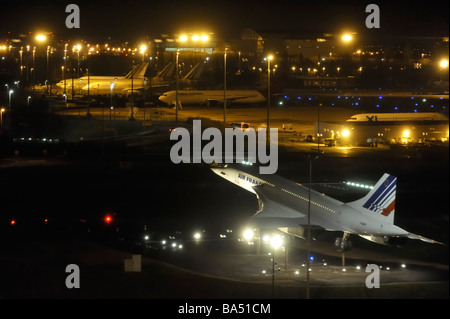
[[380, 201], [167, 72], [195, 72], [138, 71]]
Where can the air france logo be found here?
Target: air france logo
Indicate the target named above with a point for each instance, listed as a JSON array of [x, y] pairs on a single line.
[[214, 152]]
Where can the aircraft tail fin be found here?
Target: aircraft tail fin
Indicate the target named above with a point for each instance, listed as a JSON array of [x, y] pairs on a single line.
[[380, 201], [138, 71]]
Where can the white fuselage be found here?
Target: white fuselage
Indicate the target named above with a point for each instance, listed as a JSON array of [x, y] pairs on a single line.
[[207, 96], [103, 85], [325, 211]]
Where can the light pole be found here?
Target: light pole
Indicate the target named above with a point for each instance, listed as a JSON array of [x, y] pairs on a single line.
[[9, 100], [1, 120], [269, 58], [111, 87], [443, 65], [65, 67], [276, 242], [48, 73], [176, 88], [225, 87], [7, 89]]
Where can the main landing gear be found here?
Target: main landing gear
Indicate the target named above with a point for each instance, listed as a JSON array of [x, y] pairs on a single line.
[[343, 244]]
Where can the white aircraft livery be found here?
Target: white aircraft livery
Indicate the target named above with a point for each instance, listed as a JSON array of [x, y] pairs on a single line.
[[207, 96], [104, 85], [283, 204]]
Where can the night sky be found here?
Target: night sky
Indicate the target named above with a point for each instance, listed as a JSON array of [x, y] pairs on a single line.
[[134, 19]]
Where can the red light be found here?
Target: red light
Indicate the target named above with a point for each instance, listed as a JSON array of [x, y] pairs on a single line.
[[108, 219], [13, 222]]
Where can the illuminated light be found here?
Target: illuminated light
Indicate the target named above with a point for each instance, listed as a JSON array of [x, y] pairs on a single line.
[[41, 37], [12, 222], [143, 48], [276, 241], [108, 219], [443, 63], [249, 234], [347, 38], [197, 236], [183, 38], [406, 133], [204, 38], [345, 133], [403, 266], [270, 57], [195, 38]]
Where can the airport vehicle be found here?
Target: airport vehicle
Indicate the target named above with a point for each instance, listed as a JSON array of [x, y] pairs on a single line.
[[102, 85], [201, 97], [283, 204]]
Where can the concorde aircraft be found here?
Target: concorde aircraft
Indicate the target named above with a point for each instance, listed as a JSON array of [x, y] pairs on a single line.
[[283, 204]]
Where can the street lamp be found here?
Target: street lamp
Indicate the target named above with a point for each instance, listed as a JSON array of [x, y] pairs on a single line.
[[143, 49], [276, 242], [1, 120], [443, 65], [225, 87], [347, 37], [269, 58], [182, 38], [7, 88], [9, 100]]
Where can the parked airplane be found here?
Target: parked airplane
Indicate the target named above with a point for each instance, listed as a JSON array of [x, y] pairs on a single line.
[[284, 204], [101, 85], [211, 96], [401, 118], [167, 75]]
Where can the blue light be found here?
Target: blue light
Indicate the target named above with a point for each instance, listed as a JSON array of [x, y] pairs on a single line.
[[311, 258], [432, 106], [415, 111], [412, 97], [356, 103], [416, 104], [299, 98], [380, 97], [378, 105], [395, 108], [309, 98], [339, 96]]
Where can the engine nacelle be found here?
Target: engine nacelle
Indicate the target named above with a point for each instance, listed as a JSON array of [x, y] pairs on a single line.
[[387, 240]]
